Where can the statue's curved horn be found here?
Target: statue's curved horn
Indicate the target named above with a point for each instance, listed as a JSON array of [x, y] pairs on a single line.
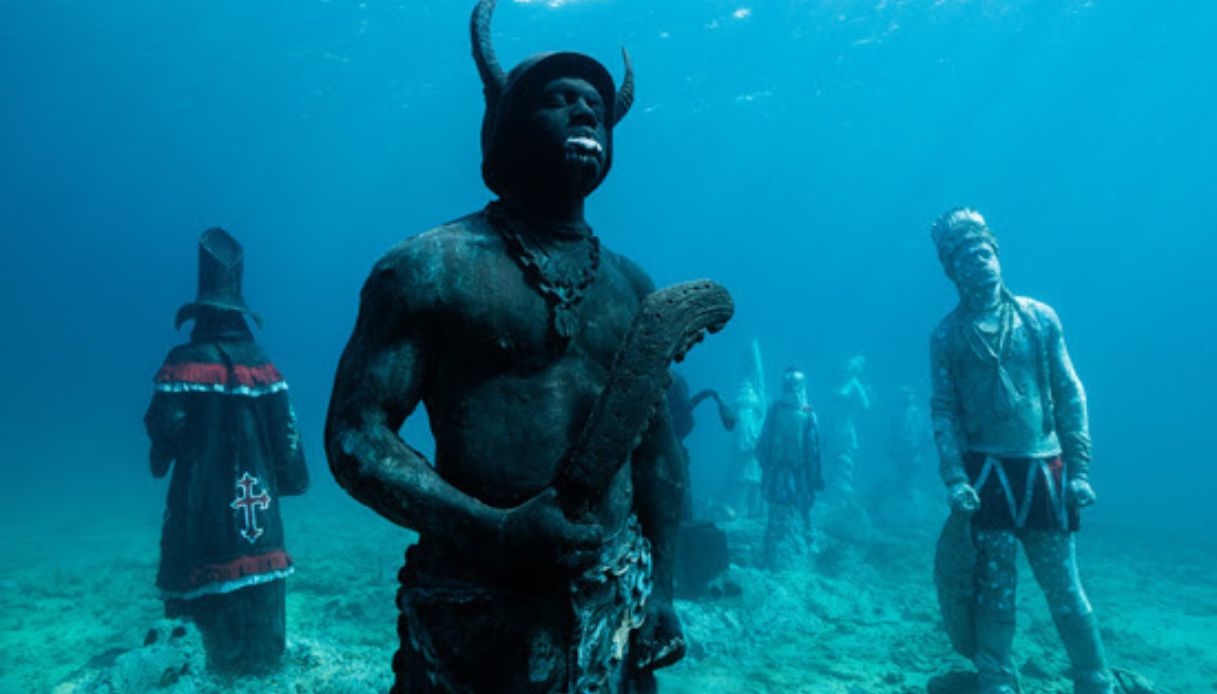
[[494, 80], [625, 95]]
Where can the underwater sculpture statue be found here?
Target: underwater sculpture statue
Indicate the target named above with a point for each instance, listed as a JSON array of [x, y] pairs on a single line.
[[680, 407], [547, 521], [221, 418], [744, 479], [791, 473], [908, 444], [702, 552], [1010, 423], [853, 399]]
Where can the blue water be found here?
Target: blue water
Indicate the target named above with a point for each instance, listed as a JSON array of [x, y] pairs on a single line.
[[795, 151]]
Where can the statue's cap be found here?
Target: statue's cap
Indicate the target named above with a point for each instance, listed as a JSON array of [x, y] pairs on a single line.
[[221, 265]]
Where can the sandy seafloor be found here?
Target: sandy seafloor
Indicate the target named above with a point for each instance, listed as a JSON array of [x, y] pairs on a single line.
[[77, 601]]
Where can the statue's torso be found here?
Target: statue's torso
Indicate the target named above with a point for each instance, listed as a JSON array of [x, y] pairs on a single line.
[[1001, 411], [505, 397]]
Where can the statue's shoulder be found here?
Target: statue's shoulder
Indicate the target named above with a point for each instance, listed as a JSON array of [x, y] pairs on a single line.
[[194, 352], [1043, 318], [431, 260], [944, 333], [210, 351], [467, 234], [1037, 309]]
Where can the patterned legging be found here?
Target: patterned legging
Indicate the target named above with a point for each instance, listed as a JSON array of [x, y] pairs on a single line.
[[1053, 561]]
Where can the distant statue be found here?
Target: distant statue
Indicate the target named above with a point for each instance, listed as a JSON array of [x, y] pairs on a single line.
[[681, 406], [1013, 439], [908, 440], [853, 399], [702, 548], [789, 454], [221, 419], [548, 519], [744, 480]]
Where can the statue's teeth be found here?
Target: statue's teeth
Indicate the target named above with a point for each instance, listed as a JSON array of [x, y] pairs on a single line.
[[585, 143]]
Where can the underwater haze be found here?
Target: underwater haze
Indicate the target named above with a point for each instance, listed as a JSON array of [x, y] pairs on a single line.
[[794, 150]]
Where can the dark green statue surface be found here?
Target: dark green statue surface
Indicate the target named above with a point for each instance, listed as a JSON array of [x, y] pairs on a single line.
[[546, 527]]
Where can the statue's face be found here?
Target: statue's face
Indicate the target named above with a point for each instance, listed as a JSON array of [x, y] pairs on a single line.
[[976, 267], [855, 365], [567, 130], [794, 387]]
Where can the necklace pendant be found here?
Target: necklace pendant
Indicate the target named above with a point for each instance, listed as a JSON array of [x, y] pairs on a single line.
[[561, 276], [564, 322]]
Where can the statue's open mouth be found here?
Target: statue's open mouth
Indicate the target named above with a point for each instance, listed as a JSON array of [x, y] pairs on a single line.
[[583, 149]]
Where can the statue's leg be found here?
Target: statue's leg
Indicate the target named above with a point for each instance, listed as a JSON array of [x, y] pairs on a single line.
[[809, 537], [243, 631], [784, 548], [996, 583], [264, 626], [845, 458], [1054, 563], [756, 505]]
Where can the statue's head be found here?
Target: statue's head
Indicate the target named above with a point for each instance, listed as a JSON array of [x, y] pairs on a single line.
[[747, 397], [549, 121], [794, 387], [967, 249], [855, 365]]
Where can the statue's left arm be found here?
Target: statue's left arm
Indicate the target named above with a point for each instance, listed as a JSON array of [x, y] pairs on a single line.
[[816, 452], [291, 472], [1069, 401]]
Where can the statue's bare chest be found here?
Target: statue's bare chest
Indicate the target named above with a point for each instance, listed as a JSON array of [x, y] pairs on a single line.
[[499, 320]]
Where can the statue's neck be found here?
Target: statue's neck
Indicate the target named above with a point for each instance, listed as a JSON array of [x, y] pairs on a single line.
[[220, 325], [547, 210], [981, 300]]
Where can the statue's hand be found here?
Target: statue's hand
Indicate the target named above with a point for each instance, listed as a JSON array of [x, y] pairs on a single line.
[[660, 641], [962, 497], [1081, 494], [537, 531]]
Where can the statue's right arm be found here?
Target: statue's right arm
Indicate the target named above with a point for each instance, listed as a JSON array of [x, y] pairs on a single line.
[[945, 410], [378, 385]]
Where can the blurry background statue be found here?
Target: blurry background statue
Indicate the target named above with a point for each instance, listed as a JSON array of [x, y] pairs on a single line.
[[681, 406], [789, 455], [908, 442], [702, 553], [1013, 439], [220, 417], [853, 399], [744, 478]]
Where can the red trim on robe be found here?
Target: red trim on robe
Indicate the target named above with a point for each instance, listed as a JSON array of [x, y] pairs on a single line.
[[237, 568], [218, 374]]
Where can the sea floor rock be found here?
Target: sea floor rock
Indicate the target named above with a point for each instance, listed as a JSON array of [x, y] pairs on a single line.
[[170, 660]]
